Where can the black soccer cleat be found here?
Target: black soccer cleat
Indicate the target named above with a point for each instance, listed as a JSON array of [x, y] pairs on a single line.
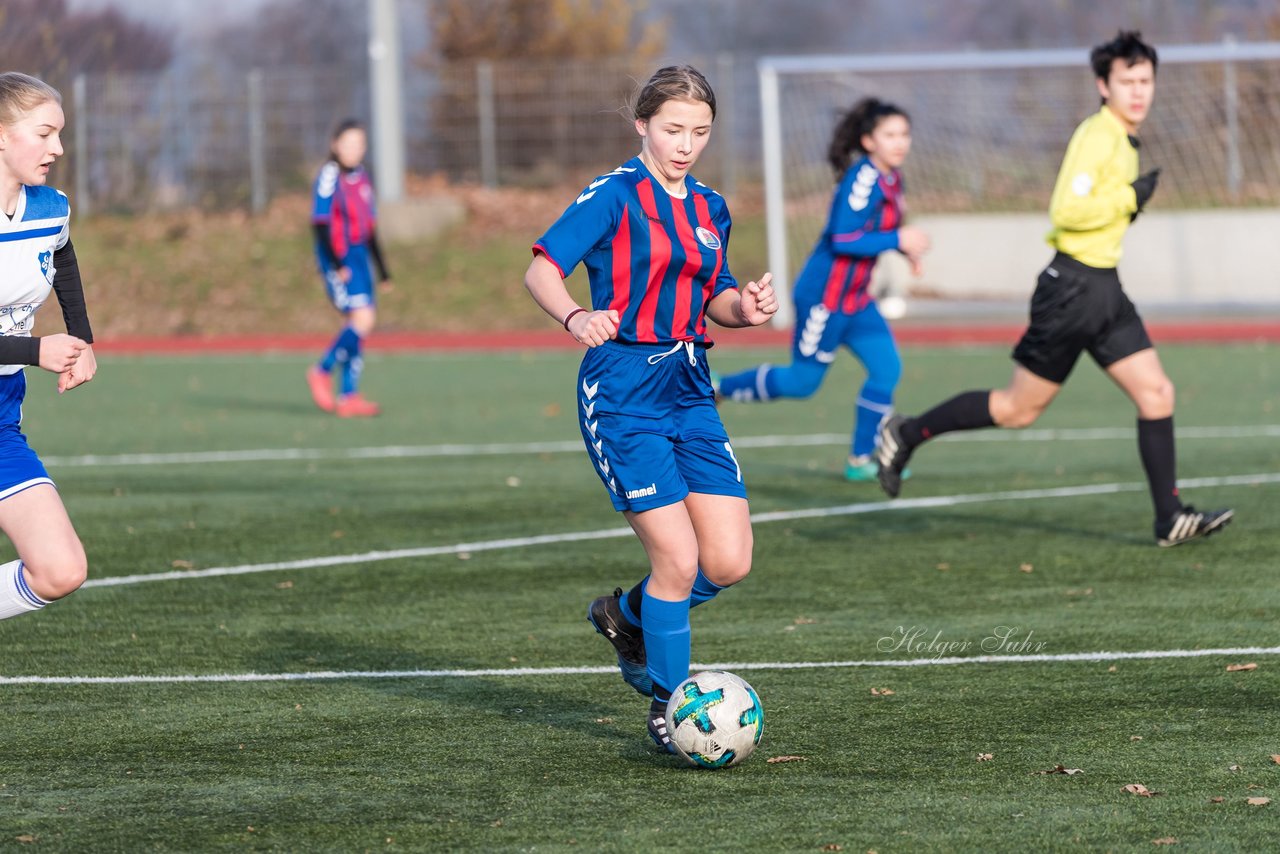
[[892, 453], [605, 613], [658, 725], [1188, 524]]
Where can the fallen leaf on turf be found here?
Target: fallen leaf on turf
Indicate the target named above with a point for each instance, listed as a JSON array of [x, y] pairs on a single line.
[[1275, 757], [1025, 567], [882, 692], [604, 720], [25, 838], [1165, 840], [182, 564], [1216, 800], [1135, 738], [1233, 668], [284, 585], [774, 760], [944, 566], [986, 757], [1111, 669], [1061, 769], [1140, 790], [1233, 767], [804, 621], [832, 847], [1257, 802]]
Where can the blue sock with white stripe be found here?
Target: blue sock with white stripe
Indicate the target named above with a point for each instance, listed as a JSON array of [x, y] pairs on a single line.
[[352, 367], [873, 405], [666, 643], [16, 596], [340, 348]]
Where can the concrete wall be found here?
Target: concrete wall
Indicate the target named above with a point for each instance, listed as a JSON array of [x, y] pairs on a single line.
[[1184, 258]]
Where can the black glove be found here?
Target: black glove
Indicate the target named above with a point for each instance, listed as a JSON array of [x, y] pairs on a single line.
[[1143, 188]]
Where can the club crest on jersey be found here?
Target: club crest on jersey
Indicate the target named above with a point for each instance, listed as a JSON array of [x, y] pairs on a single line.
[[707, 237], [46, 264]]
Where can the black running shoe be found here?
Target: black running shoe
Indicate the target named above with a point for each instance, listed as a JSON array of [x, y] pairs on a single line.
[[1188, 523], [892, 453], [605, 613], [658, 725]]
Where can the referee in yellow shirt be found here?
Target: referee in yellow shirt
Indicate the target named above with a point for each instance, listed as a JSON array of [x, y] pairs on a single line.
[[1079, 306]]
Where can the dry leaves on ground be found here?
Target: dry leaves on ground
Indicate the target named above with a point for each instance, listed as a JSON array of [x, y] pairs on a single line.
[[1141, 790], [1258, 802], [882, 692], [774, 760], [1061, 769], [1235, 668]]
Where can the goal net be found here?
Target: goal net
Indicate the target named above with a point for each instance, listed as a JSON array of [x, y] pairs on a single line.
[[989, 131]]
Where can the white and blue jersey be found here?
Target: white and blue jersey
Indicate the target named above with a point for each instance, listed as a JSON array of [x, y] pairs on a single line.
[[39, 228]]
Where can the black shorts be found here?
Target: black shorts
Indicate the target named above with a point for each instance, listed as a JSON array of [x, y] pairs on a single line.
[[1075, 308]]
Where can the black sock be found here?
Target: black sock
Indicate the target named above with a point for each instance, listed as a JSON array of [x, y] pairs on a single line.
[[1155, 446], [970, 410], [634, 597]]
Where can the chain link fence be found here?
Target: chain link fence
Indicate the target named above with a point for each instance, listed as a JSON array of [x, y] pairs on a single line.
[[238, 137]]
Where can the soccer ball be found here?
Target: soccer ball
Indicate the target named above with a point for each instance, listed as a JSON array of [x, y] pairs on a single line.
[[715, 719]]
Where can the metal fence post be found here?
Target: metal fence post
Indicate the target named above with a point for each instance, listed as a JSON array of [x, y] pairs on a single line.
[[257, 145], [1231, 98], [80, 99], [488, 123], [728, 138]]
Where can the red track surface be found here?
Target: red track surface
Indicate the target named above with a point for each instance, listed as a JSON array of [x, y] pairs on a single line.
[[554, 339]]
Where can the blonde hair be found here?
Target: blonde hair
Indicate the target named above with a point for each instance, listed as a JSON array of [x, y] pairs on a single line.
[[20, 93]]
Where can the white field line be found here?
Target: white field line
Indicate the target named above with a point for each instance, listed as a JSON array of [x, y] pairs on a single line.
[[1085, 434], [613, 533], [313, 676]]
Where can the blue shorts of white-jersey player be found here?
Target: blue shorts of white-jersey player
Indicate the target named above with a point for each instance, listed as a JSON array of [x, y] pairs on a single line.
[[817, 337]]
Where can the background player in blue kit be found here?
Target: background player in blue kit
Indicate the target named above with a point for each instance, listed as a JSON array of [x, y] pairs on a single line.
[[834, 307], [654, 241], [344, 218], [35, 256]]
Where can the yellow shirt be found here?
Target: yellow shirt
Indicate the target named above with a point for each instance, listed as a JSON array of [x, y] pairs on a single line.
[[1093, 198]]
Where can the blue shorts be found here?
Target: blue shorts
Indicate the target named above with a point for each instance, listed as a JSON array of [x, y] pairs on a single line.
[[649, 420], [357, 292], [20, 468]]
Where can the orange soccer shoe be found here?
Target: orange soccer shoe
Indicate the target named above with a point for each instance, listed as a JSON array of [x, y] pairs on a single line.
[[355, 406], [321, 385]]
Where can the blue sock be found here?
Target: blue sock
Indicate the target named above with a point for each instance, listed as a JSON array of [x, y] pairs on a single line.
[[339, 349], [704, 590], [352, 367], [748, 385], [873, 405], [666, 643]]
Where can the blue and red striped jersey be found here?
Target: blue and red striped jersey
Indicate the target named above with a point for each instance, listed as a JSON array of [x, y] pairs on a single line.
[[344, 200], [865, 214], [656, 259]]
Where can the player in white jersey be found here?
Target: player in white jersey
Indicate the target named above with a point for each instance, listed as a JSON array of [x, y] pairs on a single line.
[[35, 257]]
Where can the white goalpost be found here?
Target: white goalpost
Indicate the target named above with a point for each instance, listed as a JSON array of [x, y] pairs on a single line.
[[989, 130]]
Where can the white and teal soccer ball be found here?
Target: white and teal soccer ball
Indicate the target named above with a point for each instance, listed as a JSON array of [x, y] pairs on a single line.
[[715, 719]]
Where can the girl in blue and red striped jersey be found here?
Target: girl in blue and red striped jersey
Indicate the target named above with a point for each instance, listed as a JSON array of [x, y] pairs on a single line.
[[344, 218], [654, 241], [833, 304]]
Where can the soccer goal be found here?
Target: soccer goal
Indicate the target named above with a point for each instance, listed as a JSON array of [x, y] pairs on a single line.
[[989, 130]]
